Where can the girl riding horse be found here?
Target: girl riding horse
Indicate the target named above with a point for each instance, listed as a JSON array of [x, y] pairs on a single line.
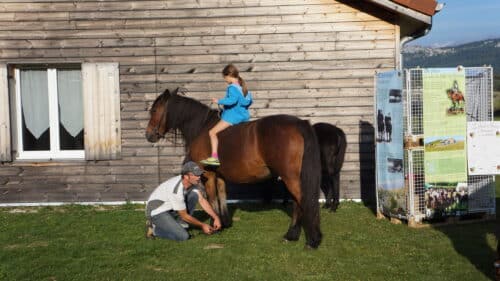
[[236, 103]]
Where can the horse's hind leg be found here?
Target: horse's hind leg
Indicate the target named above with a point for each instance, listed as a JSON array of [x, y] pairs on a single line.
[[335, 192], [327, 188], [293, 232]]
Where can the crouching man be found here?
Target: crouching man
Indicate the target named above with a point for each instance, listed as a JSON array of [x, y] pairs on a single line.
[[170, 207]]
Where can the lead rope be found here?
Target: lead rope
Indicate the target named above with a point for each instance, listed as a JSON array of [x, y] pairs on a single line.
[[219, 110]]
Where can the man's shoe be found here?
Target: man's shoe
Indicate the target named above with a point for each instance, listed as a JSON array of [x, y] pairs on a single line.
[[149, 230], [211, 161]]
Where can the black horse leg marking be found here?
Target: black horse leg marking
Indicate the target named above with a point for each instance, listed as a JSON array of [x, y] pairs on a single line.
[[335, 192], [294, 230], [326, 187]]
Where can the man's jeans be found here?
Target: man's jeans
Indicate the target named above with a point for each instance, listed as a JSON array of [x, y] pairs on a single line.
[[167, 224]]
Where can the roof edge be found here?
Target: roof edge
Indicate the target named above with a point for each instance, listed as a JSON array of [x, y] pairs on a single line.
[[400, 9]]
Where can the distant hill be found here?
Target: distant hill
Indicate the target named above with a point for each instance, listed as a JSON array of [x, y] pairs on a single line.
[[480, 53]]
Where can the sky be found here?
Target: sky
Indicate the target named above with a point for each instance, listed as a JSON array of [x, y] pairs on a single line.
[[463, 21]]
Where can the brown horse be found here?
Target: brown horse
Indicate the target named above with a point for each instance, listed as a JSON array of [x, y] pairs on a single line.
[[456, 97], [332, 144], [275, 146]]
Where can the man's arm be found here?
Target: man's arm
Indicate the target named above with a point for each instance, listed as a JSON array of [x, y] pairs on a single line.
[[209, 210], [207, 229]]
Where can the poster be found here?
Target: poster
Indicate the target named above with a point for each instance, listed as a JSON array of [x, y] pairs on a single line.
[[391, 192], [483, 148], [445, 158]]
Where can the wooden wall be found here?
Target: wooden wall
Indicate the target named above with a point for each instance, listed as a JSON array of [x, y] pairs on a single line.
[[310, 58]]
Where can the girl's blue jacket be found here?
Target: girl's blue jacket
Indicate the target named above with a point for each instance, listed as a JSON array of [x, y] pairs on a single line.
[[235, 105]]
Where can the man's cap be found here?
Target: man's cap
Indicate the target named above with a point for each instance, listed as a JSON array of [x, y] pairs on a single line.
[[191, 167]]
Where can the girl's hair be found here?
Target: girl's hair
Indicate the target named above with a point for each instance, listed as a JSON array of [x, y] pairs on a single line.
[[232, 71]]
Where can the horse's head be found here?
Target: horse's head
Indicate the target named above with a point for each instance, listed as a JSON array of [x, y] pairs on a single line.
[[157, 126]]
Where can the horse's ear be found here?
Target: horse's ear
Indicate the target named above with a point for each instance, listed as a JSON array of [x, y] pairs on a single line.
[[175, 91], [166, 93]]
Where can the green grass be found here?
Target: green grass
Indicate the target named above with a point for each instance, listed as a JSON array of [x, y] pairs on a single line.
[[86, 243]]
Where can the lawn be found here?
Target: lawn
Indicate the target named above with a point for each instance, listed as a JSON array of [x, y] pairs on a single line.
[[95, 243]]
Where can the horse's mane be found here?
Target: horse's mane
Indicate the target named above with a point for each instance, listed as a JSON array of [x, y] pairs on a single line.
[[188, 115]]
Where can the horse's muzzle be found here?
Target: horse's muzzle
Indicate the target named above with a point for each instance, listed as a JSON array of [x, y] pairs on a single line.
[[152, 137]]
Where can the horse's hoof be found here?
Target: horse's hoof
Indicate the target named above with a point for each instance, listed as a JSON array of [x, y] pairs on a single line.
[[290, 238], [334, 209], [286, 240], [310, 248]]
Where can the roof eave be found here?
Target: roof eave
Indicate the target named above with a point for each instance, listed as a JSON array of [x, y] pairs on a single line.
[[415, 15]]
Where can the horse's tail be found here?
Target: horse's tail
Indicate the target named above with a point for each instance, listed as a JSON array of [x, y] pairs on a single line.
[[342, 145], [310, 175]]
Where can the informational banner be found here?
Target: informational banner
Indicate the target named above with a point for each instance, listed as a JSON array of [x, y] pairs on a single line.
[[391, 192], [444, 140], [483, 148]]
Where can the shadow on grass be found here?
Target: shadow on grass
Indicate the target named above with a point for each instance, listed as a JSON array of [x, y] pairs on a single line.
[[471, 241], [264, 196]]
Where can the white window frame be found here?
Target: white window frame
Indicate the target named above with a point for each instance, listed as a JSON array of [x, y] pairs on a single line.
[[55, 152]]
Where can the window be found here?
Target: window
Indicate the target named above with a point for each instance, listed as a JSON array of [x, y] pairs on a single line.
[[60, 112], [49, 113]]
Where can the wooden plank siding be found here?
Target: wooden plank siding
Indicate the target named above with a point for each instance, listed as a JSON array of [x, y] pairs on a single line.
[[310, 58]]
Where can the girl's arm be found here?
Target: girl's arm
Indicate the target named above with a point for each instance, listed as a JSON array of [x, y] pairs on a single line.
[[231, 97]]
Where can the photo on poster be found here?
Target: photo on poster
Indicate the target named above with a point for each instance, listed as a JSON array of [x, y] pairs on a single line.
[[446, 199], [444, 143], [395, 96], [457, 100], [384, 126], [394, 165]]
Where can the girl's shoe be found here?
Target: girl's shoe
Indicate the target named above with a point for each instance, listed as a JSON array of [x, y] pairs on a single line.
[[211, 161]]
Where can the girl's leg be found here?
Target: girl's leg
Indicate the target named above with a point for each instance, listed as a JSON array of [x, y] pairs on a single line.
[[221, 125]]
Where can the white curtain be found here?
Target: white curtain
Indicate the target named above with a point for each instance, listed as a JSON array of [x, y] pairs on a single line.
[[69, 90], [35, 101]]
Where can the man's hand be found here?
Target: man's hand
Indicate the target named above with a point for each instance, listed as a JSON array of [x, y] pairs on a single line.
[[207, 229], [217, 224]]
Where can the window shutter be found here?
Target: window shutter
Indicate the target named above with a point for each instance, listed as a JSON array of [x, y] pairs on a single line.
[[101, 110], [5, 145]]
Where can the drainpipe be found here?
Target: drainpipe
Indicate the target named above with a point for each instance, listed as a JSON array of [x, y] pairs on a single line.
[[418, 34]]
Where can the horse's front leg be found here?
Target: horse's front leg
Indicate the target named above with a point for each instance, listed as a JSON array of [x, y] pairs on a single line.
[[216, 193], [224, 215]]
